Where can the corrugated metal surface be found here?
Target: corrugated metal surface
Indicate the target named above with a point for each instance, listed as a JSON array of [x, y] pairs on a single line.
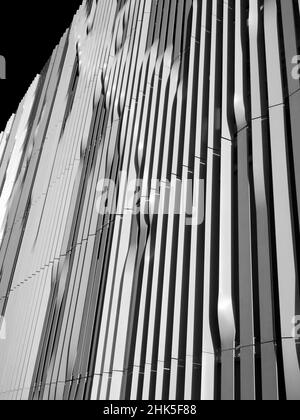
[[104, 302]]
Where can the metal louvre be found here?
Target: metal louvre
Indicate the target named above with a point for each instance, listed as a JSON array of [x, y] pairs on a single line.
[[156, 305]]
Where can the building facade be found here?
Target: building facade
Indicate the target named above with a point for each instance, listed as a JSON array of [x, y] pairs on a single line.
[[149, 208]]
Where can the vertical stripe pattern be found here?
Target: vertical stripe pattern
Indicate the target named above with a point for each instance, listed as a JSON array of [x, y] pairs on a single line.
[[150, 204]]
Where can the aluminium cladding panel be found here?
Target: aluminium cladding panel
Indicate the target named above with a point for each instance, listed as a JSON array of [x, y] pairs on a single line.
[[261, 174], [290, 35], [70, 285], [284, 222], [10, 244], [22, 337], [102, 303]]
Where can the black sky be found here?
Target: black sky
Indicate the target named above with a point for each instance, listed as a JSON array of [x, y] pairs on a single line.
[[29, 31]]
